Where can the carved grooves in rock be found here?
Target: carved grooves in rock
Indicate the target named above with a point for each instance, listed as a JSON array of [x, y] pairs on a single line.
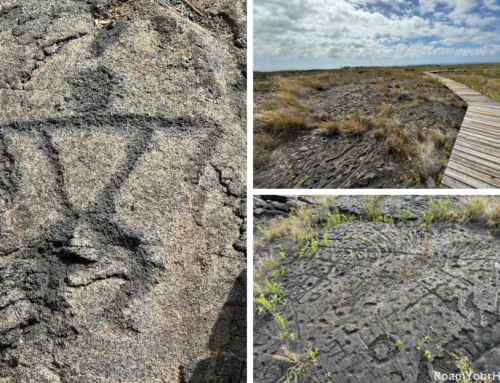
[[135, 150], [53, 155], [54, 259], [365, 306]]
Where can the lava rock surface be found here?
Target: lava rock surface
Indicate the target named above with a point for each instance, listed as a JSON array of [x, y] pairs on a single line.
[[122, 195], [313, 160], [357, 297]]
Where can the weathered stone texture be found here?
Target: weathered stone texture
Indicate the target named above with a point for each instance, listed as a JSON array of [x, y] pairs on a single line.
[[357, 296], [122, 195]]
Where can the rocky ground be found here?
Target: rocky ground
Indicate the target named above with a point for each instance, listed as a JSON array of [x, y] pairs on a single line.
[[378, 302], [122, 192], [311, 159]]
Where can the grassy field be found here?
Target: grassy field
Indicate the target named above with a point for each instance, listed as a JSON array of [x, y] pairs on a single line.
[[290, 102]]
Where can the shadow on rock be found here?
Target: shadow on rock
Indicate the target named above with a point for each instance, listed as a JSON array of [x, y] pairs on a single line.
[[227, 342]]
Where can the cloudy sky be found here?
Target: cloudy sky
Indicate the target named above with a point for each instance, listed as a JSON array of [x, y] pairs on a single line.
[[304, 34]]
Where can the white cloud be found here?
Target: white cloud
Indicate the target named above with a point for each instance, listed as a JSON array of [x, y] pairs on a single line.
[[352, 29], [492, 4]]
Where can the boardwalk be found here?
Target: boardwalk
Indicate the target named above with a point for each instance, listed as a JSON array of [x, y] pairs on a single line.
[[475, 159]]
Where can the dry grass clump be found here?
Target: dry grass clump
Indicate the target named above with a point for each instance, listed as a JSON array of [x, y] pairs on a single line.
[[285, 119], [433, 154], [286, 85], [301, 84], [430, 162], [262, 139], [482, 210], [379, 133], [423, 155], [395, 141], [281, 99], [288, 99], [492, 212], [287, 110], [384, 87], [312, 82], [351, 126], [436, 136], [262, 146], [346, 125], [417, 132], [267, 263], [435, 81], [330, 127], [452, 98], [422, 96], [385, 109], [276, 228], [318, 84]]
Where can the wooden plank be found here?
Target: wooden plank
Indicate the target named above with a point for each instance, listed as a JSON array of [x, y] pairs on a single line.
[[480, 128], [480, 138], [480, 132], [485, 149], [492, 115], [471, 109], [480, 125], [489, 147], [484, 143], [488, 106], [468, 121], [475, 118], [476, 174], [468, 180], [458, 155], [473, 99], [480, 109], [477, 153], [452, 183], [476, 163]]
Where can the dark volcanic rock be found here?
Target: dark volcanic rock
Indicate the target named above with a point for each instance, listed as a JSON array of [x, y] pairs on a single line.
[[322, 162], [122, 196], [356, 298], [275, 206]]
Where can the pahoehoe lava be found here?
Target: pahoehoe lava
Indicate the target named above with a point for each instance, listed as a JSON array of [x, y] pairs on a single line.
[[379, 301]]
